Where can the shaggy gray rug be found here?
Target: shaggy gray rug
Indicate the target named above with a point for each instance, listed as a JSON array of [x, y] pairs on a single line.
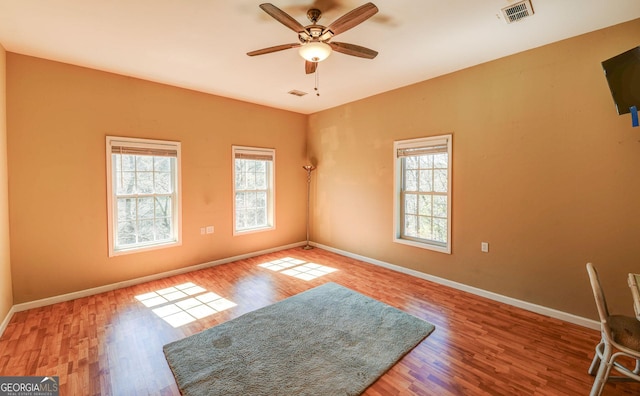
[[326, 341]]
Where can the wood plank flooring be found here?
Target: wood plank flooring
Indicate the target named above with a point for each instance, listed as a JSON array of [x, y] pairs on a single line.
[[111, 343]]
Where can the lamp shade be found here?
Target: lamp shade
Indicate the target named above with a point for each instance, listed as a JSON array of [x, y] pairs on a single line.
[[315, 51]]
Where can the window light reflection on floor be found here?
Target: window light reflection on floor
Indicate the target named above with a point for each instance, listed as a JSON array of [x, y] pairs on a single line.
[[185, 303], [298, 268]]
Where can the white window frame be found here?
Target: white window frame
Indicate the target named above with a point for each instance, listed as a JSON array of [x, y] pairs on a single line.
[[245, 152], [176, 195], [398, 202]]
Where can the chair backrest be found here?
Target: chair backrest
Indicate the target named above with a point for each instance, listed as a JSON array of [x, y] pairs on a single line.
[[598, 294]]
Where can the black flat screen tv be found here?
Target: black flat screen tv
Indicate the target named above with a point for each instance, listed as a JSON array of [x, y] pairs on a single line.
[[623, 75]]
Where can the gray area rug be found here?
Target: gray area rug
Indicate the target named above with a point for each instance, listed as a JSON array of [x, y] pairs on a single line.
[[328, 340]]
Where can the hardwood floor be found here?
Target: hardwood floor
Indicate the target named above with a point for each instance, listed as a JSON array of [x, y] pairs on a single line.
[[111, 343]]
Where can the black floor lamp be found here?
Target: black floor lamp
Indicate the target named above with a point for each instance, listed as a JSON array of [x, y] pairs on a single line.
[[309, 169]]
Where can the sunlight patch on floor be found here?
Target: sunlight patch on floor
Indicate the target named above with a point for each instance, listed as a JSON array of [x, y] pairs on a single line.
[[298, 268], [185, 303]]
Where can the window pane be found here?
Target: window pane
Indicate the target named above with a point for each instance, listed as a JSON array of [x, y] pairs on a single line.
[[162, 182], [240, 165], [163, 206], [251, 181], [125, 183], [424, 227], [424, 205], [261, 217], [145, 208], [426, 180], [241, 224], [440, 180], [411, 225], [250, 200], [426, 161], [411, 203], [163, 228], [240, 200], [128, 162], [411, 162], [261, 199], [116, 160], [250, 218], [126, 209], [240, 181], [411, 180], [261, 181], [126, 233], [440, 230], [162, 164], [145, 182], [440, 161], [144, 163], [145, 231], [440, 206]]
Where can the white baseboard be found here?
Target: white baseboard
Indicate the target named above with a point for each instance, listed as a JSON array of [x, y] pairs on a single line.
[[113, 286], [6, 320], [553, 313]]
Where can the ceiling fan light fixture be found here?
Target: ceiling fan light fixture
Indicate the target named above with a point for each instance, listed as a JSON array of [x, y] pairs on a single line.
[[315, 51]]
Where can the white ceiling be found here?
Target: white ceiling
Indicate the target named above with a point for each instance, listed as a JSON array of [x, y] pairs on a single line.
[[202, 44]]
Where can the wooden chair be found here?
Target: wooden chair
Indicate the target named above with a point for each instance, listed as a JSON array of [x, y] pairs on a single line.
[[620, 338]]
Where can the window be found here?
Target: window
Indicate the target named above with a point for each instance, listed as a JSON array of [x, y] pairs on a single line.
[[422, 197], [253, 170], [143, 194]]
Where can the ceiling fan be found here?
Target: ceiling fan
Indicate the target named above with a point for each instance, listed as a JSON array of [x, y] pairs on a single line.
[[315, 42]]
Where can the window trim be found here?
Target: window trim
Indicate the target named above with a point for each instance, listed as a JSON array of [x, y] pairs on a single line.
[[271, 196], [397, 182], [138, 143]]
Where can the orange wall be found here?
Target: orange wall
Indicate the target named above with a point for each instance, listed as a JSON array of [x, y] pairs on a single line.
[[58, 117], [543, 169], [6, 295]]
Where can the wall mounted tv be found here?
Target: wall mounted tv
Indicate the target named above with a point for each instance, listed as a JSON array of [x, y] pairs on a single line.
[[623, 75]]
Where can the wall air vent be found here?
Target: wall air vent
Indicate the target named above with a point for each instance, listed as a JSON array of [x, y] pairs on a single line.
[[295, 92], [517, 11]]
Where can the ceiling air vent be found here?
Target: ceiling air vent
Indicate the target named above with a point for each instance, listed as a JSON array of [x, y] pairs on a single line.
[[295, 92], [517, 11]]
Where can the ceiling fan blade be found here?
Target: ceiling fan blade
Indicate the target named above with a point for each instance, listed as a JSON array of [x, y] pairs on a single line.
[[352, 18], [310, 67], [273, 49], [282, 17], [354, 50]]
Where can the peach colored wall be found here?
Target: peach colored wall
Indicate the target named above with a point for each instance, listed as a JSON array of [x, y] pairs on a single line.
[[58, 117], [6, 295], [543, 169]]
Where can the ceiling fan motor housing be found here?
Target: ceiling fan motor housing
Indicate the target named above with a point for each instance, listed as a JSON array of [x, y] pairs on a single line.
[[314, 15]]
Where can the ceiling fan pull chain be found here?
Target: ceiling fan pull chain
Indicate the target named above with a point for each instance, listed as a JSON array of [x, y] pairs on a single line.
[[317, 83]]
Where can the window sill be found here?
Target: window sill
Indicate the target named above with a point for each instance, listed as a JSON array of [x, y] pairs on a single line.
[[421, 245], [147, 248], [253, 230]]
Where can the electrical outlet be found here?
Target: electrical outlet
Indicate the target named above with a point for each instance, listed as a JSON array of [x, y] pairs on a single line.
[[202, 231], [209, 229], [484, 246]]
